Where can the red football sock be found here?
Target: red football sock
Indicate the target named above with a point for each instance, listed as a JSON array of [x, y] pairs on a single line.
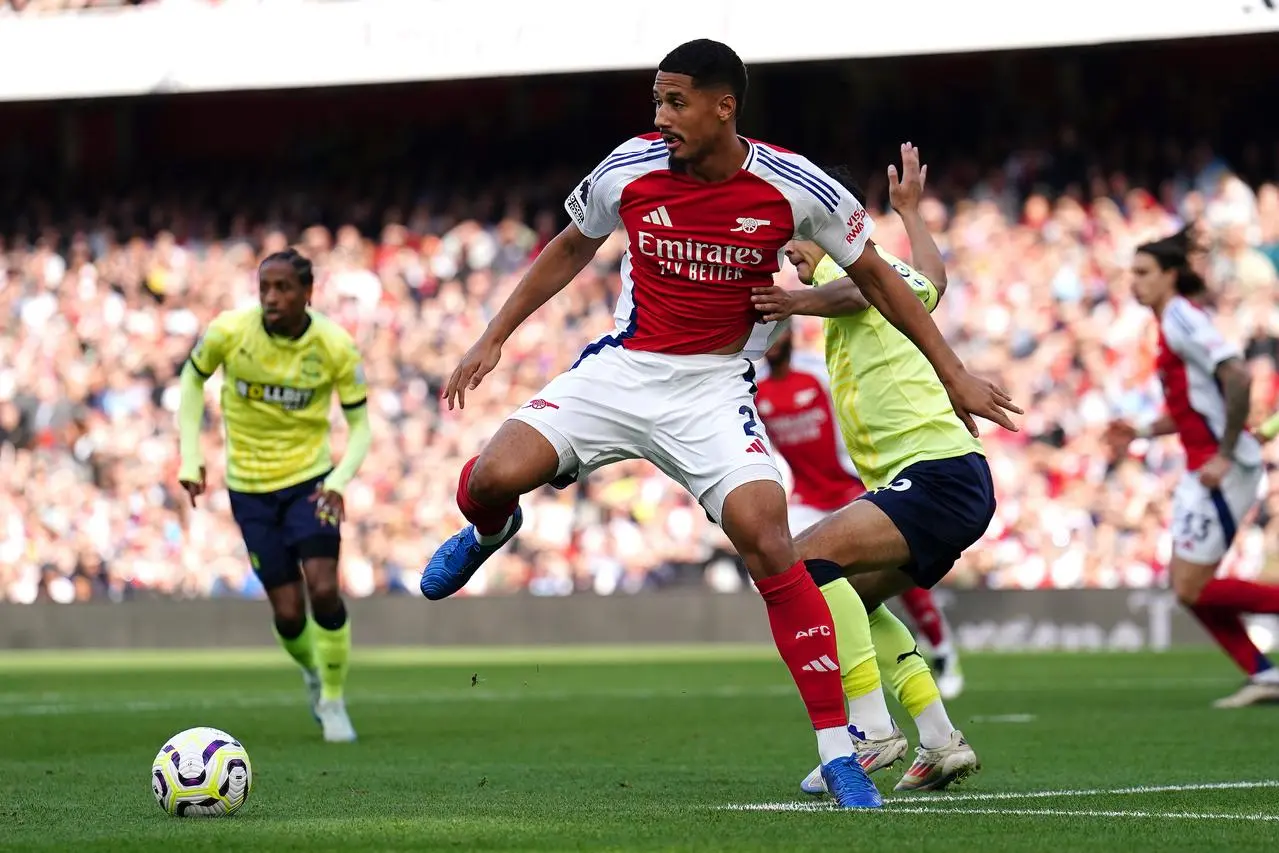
[[1228, 630], [487, 520], [1240, 595], [923, 612], [805, 636]]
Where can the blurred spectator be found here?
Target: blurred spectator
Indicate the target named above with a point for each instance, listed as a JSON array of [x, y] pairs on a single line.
[[94, 327]]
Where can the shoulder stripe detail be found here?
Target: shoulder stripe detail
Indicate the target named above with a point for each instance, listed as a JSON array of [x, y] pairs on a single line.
[[626, 157], [752, 146], [773, 147], [647, 157], [1173, 312], [800, 178], [349, 406], [816, 179]]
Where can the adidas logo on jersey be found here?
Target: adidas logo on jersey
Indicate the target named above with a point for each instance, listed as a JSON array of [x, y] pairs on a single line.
[[658, 217], [757, 446]]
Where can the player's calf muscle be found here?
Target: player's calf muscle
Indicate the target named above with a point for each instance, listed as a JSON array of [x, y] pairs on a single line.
[[516, 461]]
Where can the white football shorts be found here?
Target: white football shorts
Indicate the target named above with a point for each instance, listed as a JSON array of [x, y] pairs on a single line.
[[1204, 521], [693, 416]]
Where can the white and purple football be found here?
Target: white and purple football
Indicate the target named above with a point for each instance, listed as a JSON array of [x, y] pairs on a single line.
[[201, 772]]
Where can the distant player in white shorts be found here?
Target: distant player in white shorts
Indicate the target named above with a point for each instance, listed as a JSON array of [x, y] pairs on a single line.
[[1206, 399], [708, 214]]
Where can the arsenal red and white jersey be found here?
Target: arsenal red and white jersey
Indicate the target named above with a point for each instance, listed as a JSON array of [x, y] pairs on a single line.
[[798, 413], [697, 249], [1190, 350]]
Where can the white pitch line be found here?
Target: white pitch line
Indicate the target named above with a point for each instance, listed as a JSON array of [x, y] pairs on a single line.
[[1085, 792], [923, 810], [1093, 813], [908, 804]]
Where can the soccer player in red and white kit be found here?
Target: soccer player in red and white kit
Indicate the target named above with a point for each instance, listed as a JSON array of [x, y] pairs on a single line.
[[1206, 401], [708, 214], [795, 404]]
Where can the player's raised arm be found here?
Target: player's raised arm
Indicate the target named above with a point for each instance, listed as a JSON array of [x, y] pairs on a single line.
[[842, 227], [904, 194], [207, 356]]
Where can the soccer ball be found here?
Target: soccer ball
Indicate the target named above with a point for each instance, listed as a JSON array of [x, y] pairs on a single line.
[[201, 772]]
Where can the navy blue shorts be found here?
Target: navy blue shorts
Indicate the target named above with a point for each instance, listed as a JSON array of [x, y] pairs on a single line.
[[281, 530], [941, 507]]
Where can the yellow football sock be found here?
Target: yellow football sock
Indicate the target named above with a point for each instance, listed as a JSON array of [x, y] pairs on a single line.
[[867, 710], [332, 658], [910, 678], [908, 674], [302, 647]]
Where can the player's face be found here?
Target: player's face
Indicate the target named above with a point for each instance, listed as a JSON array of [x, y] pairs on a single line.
[[1151, 284], [689, 119], [805, 255], [282, 295]]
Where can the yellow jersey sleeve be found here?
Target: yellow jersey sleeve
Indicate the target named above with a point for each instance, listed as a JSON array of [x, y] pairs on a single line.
[[212, 348], [352, 387], [828, 271]]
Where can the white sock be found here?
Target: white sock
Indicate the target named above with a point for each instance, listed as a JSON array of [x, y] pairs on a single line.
[[834, 743], [943, 649], [869, 715], [1267, 676], [934, 726], [496, 537]]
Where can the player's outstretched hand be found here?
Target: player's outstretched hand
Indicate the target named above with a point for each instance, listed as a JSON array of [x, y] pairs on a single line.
[[775, 303], [329, 506], [194, 488], [904, 194], [970, 395], [481, 358]]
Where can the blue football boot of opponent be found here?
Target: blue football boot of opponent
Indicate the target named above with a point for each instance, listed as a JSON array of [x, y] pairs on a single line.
[[459, 557], [848, 783]]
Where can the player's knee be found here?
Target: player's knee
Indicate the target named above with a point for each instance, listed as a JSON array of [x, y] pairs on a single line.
[[496, 480], [1187, 587], [289, 616], [768, 551], [323, 590]]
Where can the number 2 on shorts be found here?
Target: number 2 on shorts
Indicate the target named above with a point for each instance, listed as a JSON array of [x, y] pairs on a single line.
[[749, 426]]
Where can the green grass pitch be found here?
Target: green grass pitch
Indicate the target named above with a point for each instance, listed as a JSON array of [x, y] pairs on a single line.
[[625, 749]]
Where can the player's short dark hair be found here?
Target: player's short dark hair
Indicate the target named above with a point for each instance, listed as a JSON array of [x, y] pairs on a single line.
[[709, 63], [844, 176], [1173, 253], [301, 264]]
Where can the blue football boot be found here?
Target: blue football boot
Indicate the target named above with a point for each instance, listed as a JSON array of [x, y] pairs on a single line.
[[848, 783], [459, 557]]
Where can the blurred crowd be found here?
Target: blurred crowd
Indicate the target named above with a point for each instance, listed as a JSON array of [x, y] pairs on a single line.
[[94, 328]]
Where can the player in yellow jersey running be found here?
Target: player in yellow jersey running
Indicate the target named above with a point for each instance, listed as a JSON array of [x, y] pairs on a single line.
[[930, 494], [281, 363]]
